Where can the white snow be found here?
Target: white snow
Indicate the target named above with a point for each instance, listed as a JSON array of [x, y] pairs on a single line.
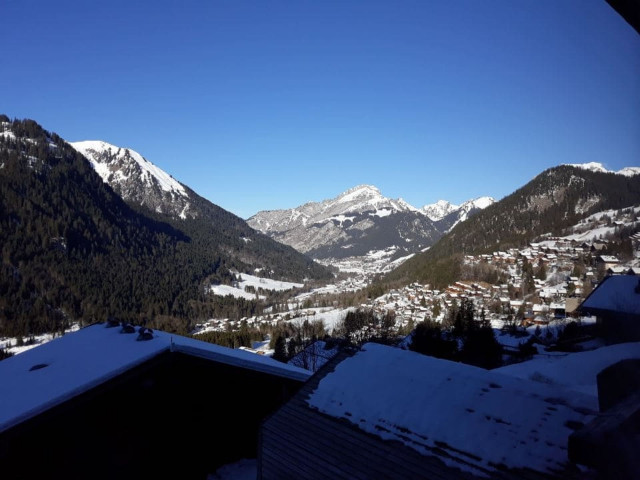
[[43, 377], [575, 371], [598, 167], [267, 283], [629, 171], [383, 212], [8, 134], [617, 293], [592, 166], [482, 202], [224, 290], [11, 344], [358, 192], [92, 149], [404, 205], [439, 210], [253, 281], [331, 317], [342, 218], [591, 235], [428, 403]]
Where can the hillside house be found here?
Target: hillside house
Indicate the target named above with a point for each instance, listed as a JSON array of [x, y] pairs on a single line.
[[616, 304], [97, 403], [607, 261], [598, 246]]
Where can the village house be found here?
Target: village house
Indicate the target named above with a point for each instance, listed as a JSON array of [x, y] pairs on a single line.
[[607, 261], [616, 304], [98, 403]]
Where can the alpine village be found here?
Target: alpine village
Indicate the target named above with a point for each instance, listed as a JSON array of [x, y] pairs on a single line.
[[147, 333]]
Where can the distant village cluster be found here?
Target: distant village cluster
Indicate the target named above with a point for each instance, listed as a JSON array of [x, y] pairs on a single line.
[[543, 282]]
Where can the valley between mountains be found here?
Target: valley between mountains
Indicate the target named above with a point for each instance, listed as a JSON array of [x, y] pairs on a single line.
[[92, 230]]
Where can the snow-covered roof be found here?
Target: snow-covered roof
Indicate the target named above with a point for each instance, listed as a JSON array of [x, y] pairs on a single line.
[[45, 376], [617, 293], [480, 418], [576, 371]]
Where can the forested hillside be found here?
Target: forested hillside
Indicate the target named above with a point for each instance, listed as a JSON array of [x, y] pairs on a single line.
[[72, 249], [556, 199]]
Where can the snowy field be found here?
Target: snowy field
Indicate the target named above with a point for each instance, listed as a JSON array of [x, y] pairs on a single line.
[[253, 281], [11, 344], [331, 317], [593, 228]]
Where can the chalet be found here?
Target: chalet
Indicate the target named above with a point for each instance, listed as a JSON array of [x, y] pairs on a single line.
[[616, 304], [558, 309], [585, 247], [598, 246], [619, 270], [374, 413], [607, 261], [98, 403], [571, 306]]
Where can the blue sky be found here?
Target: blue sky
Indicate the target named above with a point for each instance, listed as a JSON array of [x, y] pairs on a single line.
[[269, 104]]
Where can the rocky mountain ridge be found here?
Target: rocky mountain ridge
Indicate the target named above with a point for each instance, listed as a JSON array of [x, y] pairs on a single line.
[[136, 179], [361, 220]]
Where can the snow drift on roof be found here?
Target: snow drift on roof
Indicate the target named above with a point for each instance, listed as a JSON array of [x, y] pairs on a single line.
[[617, 293], [45, 376], [479, 418]]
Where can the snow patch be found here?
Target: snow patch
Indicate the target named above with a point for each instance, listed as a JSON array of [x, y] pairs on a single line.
[[598, 167], [629, 171], [252, 281], [385, 212]]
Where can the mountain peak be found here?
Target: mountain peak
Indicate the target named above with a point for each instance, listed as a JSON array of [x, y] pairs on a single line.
[[592, 166], [135, 178], [439, 210], [359, 191], [480, 202], [598, 167], [101, 154]]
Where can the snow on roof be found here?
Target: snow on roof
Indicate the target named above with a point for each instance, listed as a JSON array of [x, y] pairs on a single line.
[[575, 371], [480, 418], [45, 376], [617, 293]]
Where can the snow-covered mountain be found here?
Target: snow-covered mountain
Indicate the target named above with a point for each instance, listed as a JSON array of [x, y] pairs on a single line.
[[362, 220], [355, 201], [598, 167], [136, 179], [464, 211], [439, 210]]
